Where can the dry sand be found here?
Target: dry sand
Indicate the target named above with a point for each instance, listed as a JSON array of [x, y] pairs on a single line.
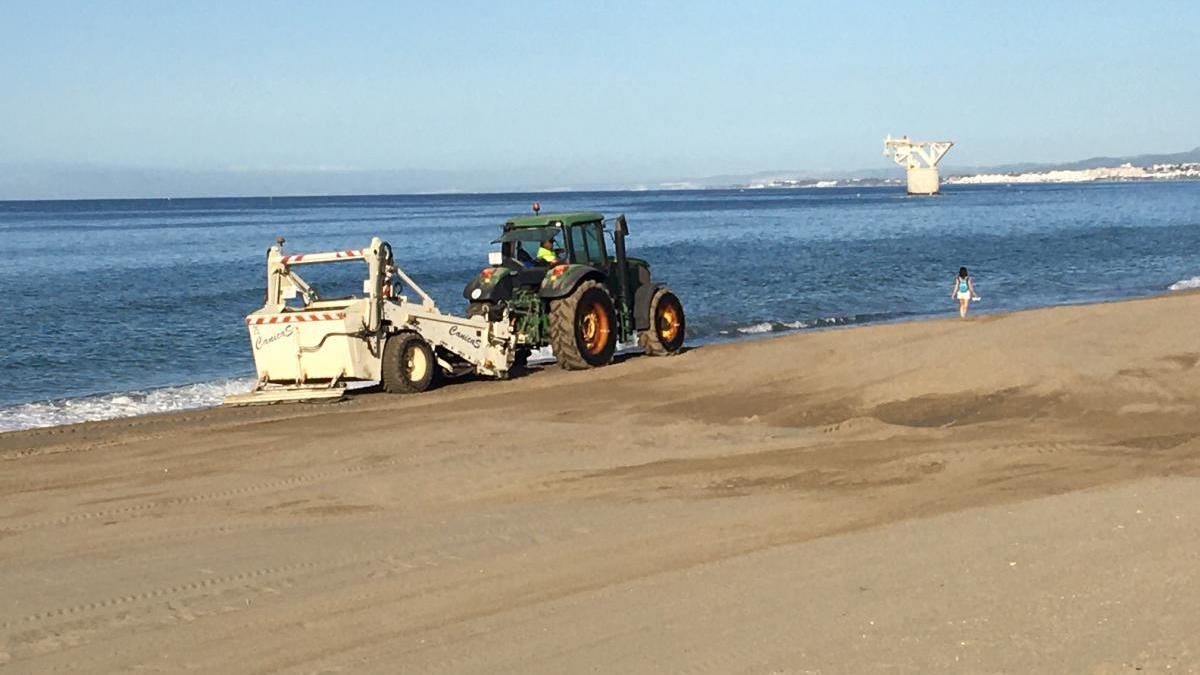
[[1011, 493]]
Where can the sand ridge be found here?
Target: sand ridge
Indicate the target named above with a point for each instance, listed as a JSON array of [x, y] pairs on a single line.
[[716, 512]]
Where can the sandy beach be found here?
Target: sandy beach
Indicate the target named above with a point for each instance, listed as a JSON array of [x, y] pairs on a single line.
[[1010, 493]]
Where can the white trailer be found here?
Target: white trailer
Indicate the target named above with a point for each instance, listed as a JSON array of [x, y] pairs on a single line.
[[307, 347]]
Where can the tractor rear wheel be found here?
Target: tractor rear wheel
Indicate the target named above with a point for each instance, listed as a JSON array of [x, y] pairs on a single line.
[[665, 335], [409, 365], [583, 327]]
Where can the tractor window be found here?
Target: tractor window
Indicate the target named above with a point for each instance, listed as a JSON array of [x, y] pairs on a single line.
[[521, 251], [587, 244]]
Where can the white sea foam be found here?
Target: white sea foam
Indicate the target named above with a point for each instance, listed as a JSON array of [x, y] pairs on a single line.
[[780, 326], [1185, 284], [62, 411], [123, 404], [764, 327]]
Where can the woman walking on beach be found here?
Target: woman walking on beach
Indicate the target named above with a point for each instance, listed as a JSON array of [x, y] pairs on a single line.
[[964, 290]]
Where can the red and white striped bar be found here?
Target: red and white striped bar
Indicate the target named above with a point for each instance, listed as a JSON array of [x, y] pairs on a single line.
[[331, 256], [295, 318]]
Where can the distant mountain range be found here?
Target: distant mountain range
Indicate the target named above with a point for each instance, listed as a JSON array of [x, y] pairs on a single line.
[[88, 181]]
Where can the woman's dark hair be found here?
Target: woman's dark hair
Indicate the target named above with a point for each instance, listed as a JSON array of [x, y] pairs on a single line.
[[962, 272]]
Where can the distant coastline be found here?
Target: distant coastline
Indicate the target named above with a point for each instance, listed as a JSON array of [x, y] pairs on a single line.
[[1147, 167], [1124, 172]]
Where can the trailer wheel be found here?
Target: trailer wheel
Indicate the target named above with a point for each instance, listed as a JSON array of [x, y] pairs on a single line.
[[583, 327], [409, 365], [665, 335]]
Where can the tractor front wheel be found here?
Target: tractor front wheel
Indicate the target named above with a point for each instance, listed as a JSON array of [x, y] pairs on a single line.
[[665, 335], [583, 327], [409, 365]]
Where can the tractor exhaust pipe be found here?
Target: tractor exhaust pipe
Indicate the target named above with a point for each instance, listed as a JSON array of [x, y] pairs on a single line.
[[620, 231]]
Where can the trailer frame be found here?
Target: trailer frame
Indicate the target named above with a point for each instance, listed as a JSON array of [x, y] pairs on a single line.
[[310, 349]]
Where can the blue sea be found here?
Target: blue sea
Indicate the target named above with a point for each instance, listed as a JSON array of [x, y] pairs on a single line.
[[122, 307]]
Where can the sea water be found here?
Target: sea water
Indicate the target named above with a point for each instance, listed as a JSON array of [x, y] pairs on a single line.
[[121, 307]]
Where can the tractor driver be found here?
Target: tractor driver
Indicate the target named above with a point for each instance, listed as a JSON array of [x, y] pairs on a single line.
[[546, 254]]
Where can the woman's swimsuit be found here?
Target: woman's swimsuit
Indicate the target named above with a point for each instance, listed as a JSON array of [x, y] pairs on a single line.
[[964, 289]]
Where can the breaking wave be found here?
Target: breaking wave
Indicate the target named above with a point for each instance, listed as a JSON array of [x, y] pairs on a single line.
[[764, 327], [121, 404], [98, 407], [57, 412], [1185, 284]]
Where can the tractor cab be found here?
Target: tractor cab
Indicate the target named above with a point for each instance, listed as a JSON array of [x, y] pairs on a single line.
[[522, 248], [577, 239], [564, 261]]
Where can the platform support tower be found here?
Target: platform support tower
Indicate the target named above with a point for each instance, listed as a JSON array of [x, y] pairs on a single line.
[[920, 160]]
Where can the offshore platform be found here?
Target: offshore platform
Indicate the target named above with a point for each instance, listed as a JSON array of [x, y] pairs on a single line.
[[920, 159]]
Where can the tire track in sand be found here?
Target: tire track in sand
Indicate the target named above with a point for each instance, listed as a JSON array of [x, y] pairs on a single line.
[[472, 463], [167, 604], [256, 488]]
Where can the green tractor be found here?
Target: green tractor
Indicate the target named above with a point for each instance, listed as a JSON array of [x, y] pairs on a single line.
[[556, 282]]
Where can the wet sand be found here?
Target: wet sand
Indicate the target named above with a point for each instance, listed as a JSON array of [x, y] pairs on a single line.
[[1011, 493]]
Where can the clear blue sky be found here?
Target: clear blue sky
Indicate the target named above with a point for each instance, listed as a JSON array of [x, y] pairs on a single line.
[[615, 91]]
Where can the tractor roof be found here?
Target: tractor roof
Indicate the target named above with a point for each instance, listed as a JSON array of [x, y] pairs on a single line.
[[547, 219]]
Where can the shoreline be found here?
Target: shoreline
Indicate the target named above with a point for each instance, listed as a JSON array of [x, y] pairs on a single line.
[[222, 384]]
